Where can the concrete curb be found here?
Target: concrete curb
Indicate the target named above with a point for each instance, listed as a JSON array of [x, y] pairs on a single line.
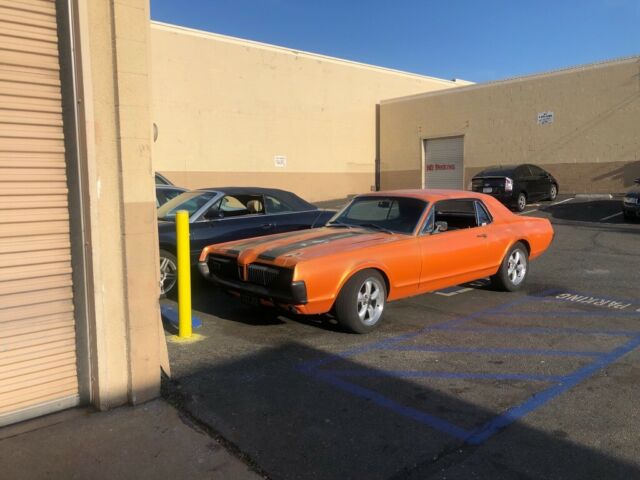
[[607, 196]]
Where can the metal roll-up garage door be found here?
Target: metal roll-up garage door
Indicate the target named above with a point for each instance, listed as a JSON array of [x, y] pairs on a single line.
[[444, 163], [38, 372]]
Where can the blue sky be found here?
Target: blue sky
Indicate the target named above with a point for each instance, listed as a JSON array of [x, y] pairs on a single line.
[[475, 40]]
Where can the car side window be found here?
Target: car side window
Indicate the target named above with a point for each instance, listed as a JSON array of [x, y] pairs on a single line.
[[482, 215], [537, 171], [428, 226], [275, 205], [456, 214], [236, 206], [525, 171]]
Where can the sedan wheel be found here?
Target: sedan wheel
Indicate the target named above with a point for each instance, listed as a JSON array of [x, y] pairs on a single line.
[[361, 301], [553, 192], [522, 202], [513, 270], [168, 272]]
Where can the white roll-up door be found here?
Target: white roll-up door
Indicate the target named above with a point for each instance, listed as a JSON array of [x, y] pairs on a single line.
[[38, 372], [444, 163]]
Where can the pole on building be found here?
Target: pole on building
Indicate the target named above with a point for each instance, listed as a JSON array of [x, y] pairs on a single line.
[[184, 274]]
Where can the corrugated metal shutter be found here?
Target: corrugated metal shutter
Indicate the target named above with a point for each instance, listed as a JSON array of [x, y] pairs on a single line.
[[444, 163], [38, 370]]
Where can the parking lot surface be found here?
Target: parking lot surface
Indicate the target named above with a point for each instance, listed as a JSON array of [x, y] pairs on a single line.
[[467, 382]]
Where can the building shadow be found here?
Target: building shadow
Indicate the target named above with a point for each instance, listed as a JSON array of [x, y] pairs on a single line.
[[600, 213], [276, 407]]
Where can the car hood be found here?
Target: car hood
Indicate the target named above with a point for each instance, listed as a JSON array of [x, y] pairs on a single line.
[[290, 248]]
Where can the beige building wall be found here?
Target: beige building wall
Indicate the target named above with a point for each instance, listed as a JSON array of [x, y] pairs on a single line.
[[593, 145], [124, 333], [224, 108]]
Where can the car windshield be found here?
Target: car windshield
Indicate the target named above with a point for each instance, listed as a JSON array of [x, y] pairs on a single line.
[[189, 201], [393, 214]]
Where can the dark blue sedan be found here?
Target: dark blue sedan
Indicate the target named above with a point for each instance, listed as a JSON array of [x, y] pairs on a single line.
[[219, 215]]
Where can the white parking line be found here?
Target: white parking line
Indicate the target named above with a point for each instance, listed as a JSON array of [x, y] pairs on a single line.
[[527, 212], [562, 201], [610, 216]]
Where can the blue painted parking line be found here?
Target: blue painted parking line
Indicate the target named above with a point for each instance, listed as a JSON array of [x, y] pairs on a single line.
[[496, 351], [559, 383], [436, 374], [539, 330], [545, 396]]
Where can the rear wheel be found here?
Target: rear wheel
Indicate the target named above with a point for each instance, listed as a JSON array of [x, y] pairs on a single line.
[[513, 270], [168, 272], [521, 202], [361, 302]]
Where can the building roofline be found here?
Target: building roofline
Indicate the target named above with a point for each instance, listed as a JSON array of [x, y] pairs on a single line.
[[291, 51], [510, 80]]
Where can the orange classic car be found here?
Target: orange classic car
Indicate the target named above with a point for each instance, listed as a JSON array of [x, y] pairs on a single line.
[[381, 247]]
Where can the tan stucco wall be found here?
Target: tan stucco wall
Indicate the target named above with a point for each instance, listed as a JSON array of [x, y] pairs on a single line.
[[592, 146], [124, 332], [225, 107]]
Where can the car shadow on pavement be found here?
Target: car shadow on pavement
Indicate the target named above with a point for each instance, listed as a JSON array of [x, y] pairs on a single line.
[[283, 409], [588, 211], [208, 299]]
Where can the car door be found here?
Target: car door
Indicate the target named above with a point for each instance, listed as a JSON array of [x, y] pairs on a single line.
[[456, 255], [542, 181]]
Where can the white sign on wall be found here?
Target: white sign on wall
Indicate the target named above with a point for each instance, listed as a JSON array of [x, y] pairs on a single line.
[[280, 161], [545, 118]]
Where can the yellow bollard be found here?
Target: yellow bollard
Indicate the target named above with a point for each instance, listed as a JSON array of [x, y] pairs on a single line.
[[184, 274]]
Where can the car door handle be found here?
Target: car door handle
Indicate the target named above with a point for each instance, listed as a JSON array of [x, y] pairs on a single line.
[[482, 235], [267, 226]]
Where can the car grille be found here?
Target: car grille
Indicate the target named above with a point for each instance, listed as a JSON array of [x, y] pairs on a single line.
[[224, 267], [262, 275], [265, 275]]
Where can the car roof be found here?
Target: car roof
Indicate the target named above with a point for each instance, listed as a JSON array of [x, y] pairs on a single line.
[[169, 187], [498, 170], [288, 197], [428, 195]]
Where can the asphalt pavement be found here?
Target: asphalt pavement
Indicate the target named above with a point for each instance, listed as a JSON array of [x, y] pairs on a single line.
[[463, 383]]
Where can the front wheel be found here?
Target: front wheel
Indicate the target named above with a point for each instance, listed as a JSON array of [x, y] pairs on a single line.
[[361, 302], [553, 192], [513, 270], [168, 272]]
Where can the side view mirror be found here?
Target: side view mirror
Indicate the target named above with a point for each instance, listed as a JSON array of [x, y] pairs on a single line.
[[441, 227]]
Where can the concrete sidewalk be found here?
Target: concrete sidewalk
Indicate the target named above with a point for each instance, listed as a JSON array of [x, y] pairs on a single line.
[[148, 441]]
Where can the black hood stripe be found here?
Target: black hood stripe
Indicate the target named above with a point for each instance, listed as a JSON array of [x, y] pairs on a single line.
[[236, 249], [310, 242]]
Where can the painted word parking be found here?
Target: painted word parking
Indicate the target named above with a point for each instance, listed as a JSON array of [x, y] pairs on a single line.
[[597, 302], [533, 349]]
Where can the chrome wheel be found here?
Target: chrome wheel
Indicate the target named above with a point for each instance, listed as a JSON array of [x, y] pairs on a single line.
[[522, 202], [370, 301], [168, 274], [553, 193], [516, 267]]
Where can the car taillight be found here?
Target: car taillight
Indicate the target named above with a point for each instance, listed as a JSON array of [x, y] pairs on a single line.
[[508, 184]]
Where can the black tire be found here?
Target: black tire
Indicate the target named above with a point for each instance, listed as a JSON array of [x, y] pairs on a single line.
[[503, 279], [553, 192], [171, 258], [348, 302], [521, 202]]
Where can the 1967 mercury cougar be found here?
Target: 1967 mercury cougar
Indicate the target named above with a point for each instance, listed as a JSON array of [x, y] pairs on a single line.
[[381, 247]]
